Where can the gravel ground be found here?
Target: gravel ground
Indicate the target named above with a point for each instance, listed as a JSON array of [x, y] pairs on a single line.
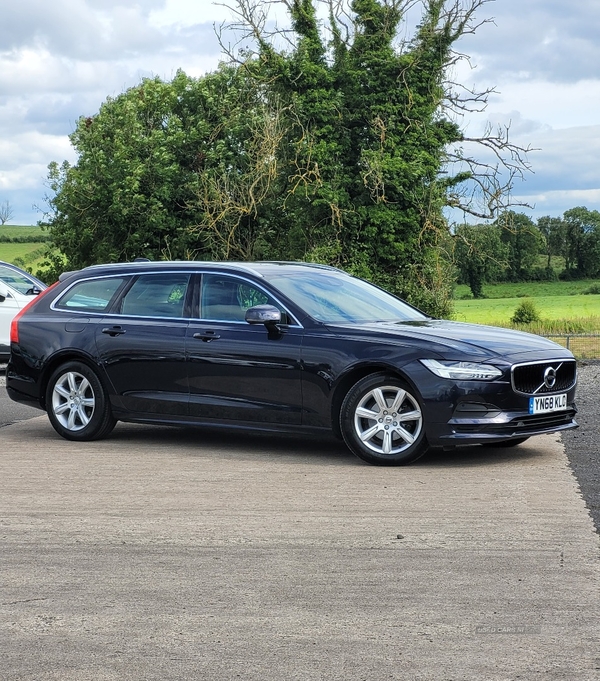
[[582, 445]]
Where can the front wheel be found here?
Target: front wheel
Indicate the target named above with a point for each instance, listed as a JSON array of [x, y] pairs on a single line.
[[382, 421], [77, 404]]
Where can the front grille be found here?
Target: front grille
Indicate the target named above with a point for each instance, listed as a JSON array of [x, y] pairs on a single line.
[[540, 378]]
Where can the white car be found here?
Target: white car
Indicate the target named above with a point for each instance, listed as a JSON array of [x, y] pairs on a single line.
[[17, 288]]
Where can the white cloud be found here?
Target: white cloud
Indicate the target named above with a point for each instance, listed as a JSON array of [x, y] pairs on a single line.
[[33, 148], [180, 12], [548, 40], [556, 202]]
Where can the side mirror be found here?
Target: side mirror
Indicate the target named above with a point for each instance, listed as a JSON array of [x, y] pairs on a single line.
[[268, 315], [33, 291], [3, 292]]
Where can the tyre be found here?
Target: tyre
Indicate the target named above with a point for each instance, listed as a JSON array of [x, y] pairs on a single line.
[[381, 420], [77, 404]]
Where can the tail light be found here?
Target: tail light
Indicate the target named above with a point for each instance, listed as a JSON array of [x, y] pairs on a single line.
[[14, 325]]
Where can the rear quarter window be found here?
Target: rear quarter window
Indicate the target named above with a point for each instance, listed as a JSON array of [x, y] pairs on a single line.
[[90, 296]]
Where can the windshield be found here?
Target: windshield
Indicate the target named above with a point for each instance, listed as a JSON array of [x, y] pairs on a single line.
[[19, 281], [333, 297]]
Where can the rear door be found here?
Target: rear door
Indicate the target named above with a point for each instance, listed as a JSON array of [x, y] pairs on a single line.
[[141, 345]]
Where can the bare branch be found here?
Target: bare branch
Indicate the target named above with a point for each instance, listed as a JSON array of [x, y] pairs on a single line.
[[229, 199]]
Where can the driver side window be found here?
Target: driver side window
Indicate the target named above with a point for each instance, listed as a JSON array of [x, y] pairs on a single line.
[[226, 298]]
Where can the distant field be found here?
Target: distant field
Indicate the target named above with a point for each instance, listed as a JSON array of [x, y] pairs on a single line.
[[28, 254], [534, 289], [562, 305], [499, 310], [15, 231], [12, 252]]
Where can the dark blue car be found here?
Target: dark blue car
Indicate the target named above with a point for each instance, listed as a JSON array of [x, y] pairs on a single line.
[[282, 347]]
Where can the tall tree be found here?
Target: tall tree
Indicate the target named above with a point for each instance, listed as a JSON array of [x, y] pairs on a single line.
[[524, 243], [336, 148], [553, 232], [166, 169], [479, 255], [370, 135], [582, 242]]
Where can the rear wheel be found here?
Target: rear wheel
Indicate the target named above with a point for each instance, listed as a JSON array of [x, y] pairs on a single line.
[[382, 421], [77, 404]]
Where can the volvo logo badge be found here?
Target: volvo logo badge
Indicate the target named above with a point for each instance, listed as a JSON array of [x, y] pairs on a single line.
[[550, 377]]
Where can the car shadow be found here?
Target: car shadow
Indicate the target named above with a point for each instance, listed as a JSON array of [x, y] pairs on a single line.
[[288, 448], [479, 455], [238, 444]]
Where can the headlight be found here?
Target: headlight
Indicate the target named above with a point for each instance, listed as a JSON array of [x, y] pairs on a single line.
[[462, 371]]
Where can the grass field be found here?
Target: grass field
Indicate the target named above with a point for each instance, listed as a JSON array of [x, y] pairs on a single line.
[[28, 254], [535, 289], [13, 231], [24, 252], [498, 311], [563, 306], [565, 310]]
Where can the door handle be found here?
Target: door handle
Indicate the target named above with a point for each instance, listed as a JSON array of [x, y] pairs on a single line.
[[113, 331], [207, 336]]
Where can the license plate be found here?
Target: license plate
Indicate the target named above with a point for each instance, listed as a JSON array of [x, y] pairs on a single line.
[[546, 403]]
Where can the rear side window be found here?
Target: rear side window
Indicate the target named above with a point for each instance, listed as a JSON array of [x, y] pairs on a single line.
[[90, 296], [156, 295]]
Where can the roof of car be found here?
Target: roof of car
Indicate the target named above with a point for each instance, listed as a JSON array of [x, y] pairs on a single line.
[[257, 268]]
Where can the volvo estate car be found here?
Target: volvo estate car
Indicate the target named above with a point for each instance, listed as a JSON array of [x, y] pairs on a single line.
[[16, 290], [284, 347]]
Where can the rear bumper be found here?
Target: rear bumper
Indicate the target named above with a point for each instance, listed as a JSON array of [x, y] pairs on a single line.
[[23, 398]]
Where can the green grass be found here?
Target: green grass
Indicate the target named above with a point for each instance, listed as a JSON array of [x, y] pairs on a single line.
[[534, 289], [13, 231], [563, 306], [27, 256], [495, 310]]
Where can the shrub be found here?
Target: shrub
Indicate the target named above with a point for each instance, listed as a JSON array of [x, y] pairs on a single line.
[[526, 313], [594, 289]]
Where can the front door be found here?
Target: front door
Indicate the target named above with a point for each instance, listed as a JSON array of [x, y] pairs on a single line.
[[237, 371]]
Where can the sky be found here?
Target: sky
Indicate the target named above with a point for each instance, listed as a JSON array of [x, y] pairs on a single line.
[[60, 60]]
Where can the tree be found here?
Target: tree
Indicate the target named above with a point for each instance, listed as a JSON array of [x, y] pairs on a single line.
[[553, 232], [480, 255], [582, 242], [526, 313], [165, 170], [337, 148], [524, 243], [6, 212], [370, 133]]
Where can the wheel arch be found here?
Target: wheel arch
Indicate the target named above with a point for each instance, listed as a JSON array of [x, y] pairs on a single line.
[[346, 381], [62, 358]]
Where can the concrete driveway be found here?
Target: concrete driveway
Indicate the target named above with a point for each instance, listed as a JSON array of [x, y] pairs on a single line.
[[166, 554]]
